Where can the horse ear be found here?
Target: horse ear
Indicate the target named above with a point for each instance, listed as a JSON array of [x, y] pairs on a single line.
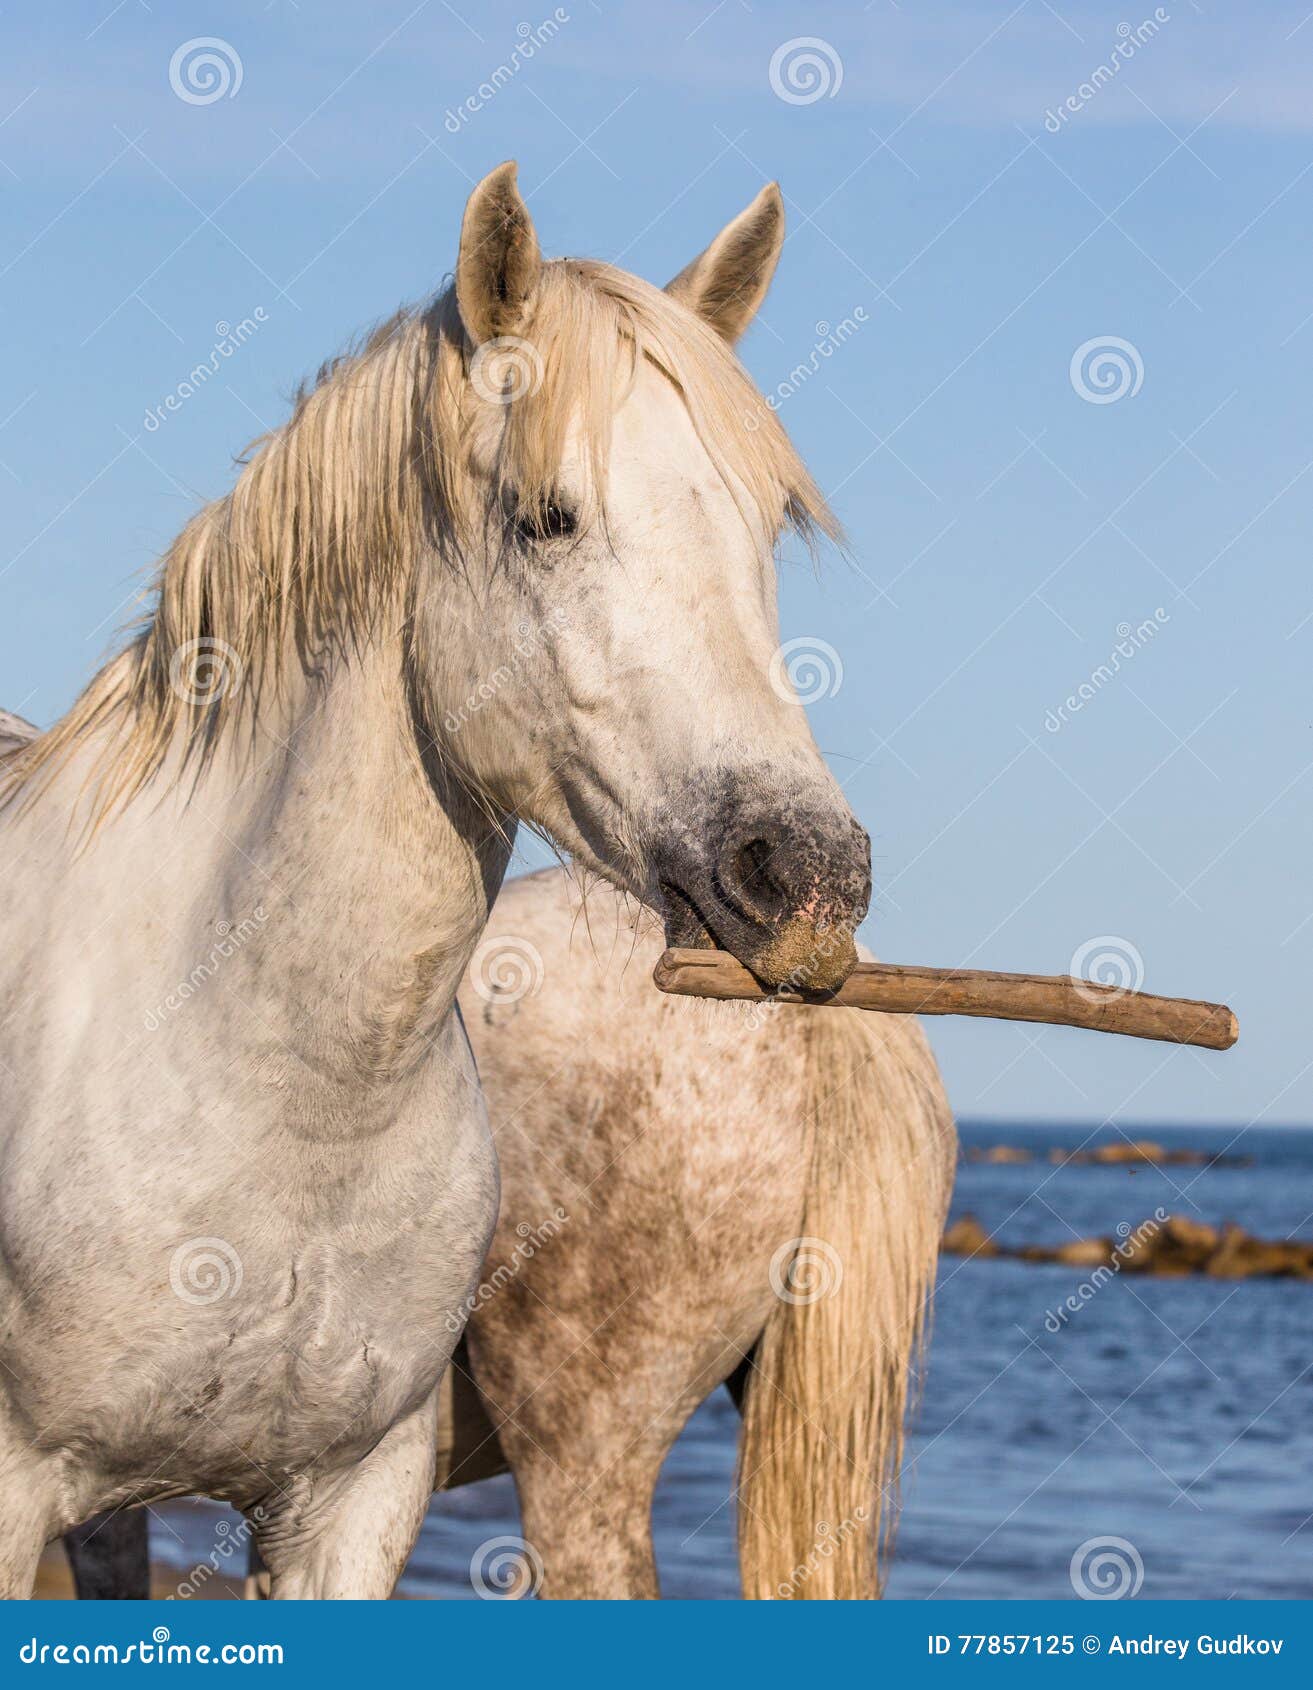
[[499, 260], [727, 283]]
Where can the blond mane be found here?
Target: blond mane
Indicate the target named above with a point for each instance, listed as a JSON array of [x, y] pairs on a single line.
[[316, 541]]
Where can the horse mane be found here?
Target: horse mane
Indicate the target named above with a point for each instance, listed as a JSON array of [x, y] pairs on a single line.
[[316, 540]]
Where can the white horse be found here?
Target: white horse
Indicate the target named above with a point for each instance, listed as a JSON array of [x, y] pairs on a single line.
[[511, 560], [691, 1193]]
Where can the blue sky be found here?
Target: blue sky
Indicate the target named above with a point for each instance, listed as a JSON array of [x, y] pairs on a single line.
[[1004, 527]]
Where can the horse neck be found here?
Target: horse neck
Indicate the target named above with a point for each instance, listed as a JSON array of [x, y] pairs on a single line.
[[360, 882], [388, 872]]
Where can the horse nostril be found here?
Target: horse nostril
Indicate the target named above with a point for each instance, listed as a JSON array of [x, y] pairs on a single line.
[[770, 872], [754, 868], [755, 878]]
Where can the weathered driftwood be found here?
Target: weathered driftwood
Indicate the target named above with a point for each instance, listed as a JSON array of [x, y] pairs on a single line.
[[897, 990]]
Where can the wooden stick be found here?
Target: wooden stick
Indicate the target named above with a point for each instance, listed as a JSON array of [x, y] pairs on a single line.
[[896, 990]]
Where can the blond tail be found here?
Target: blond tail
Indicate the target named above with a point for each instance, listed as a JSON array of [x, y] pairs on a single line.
[[822, 1435]]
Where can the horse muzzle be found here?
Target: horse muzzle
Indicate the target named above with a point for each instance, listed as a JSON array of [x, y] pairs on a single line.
[[781, 886]]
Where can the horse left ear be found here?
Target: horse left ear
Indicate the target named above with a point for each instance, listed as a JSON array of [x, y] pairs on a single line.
[[727, 283], [499, 261]]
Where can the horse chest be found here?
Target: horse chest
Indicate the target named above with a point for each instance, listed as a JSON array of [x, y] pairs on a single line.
[[308, 1364], [327, 1339]]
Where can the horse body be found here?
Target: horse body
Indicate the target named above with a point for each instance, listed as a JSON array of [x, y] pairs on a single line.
[[249, 1178], [747, 1191]]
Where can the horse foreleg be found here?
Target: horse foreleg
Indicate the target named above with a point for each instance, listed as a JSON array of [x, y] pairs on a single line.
[[30, 1486], [21, 1543], [587, 1544], [110, 1556], [348, 1534]]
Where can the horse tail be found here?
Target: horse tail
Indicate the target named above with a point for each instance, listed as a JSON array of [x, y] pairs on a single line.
[[832, 1373]]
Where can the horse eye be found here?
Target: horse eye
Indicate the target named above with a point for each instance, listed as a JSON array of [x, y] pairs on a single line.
[[551, 522]]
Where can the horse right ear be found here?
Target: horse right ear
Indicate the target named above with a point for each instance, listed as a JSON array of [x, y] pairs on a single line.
[[726, 284], [499, 259]]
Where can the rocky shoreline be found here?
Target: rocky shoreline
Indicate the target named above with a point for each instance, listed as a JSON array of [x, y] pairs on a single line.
[[1171, 1247], [1144, 1152]]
